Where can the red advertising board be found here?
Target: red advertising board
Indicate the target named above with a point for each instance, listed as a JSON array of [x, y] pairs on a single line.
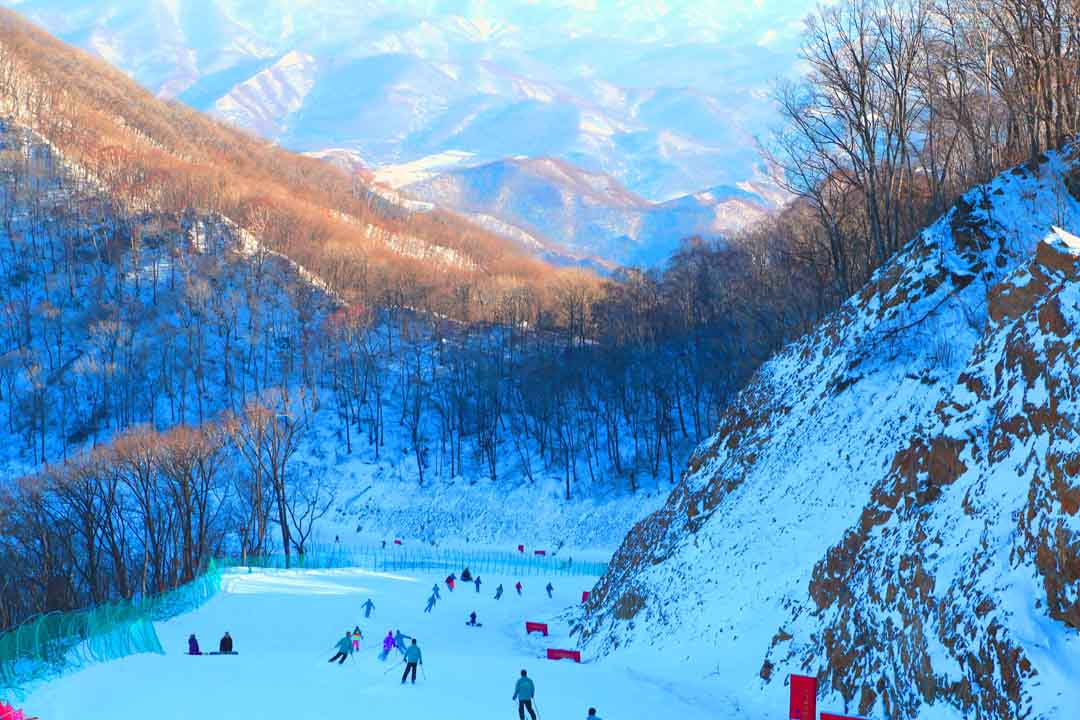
[[803, 698], [834, 716]]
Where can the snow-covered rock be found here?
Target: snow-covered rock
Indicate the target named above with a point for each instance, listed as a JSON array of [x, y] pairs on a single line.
[[891, 504]]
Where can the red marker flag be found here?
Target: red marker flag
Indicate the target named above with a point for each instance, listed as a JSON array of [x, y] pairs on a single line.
[[803, 698]]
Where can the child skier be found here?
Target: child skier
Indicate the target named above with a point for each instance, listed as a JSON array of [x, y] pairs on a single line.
[[357, 636], [477, 583], [387, 644]]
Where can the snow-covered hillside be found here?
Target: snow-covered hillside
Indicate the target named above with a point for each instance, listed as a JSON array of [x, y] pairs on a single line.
[[891, 503], [589, 214], [176, 320]]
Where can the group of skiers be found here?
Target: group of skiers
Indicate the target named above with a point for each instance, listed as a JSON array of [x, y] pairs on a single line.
[[225, 645], [524, 690], [466, 576]]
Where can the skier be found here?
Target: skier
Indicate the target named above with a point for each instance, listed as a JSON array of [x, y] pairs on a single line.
[[193, 646], [477, 583], [387, 644], [368, 607], [498, 591], [435, 591], [357, 636], [430, 604], [450, 581], [592, 715], [399, 641], [225, 646], [549, 588], [412, 659], [518, 587], [524, 692], [472, 620], [344, 649]]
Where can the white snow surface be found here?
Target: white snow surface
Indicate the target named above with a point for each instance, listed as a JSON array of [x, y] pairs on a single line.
[[285, 625]]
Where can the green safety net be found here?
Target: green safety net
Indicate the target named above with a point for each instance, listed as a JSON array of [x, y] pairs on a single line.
[[404, 558], [47, 646]]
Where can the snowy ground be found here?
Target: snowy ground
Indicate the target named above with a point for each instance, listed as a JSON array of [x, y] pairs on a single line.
[[286, 622]]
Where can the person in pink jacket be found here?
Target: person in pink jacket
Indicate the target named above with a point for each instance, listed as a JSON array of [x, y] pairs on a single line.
[[387, 644]]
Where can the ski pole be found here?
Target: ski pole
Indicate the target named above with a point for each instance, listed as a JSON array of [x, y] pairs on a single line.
[[423, 673], [393, 667]]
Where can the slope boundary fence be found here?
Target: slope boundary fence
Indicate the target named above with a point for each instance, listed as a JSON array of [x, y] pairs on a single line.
[[403, 558], [47, 646]]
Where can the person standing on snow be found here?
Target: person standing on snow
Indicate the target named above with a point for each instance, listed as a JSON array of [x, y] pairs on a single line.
[[193, 645], [592, 715], [518, 587], [549, 588], [225, 646], [477, 583], [412, 659], [368, 607], [498, 591], [344, 649], [357, 636], [387, 644], [524, 692], [435, 591], [430, 604]]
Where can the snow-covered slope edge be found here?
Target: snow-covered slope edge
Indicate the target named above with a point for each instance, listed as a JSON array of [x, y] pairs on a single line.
[[852, 428]]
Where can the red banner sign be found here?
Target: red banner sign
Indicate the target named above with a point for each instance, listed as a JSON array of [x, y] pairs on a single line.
[[834, 716], [803, 698]]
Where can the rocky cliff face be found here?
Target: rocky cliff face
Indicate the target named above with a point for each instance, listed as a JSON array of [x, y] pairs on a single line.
[[891, 505]]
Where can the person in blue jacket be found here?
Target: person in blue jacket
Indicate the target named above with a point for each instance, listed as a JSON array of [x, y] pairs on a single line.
[[524, 692], [412, 659]]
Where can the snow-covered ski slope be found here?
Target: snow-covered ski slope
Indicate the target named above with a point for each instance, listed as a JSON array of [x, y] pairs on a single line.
[[285, 624]]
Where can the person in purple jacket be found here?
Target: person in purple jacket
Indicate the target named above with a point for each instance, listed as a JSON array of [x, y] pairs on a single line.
[[193, 645]]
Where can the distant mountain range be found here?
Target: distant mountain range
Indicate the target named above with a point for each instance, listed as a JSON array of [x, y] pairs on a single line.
[[587, 214], [665, 98]]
